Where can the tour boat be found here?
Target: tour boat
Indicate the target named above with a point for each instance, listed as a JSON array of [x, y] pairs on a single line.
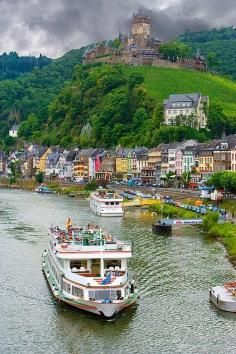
[[87, 268], [224, 297], [106, 203]]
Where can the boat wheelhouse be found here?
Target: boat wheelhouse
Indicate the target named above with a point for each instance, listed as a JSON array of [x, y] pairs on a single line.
[[106, 203], [224, 297], [87, 268]]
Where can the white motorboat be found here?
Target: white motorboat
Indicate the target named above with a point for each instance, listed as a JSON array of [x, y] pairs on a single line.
[[224, 297], [87, 268], [106, 203]]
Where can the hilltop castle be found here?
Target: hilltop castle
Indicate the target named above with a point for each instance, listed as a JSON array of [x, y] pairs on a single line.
[[140, 47]]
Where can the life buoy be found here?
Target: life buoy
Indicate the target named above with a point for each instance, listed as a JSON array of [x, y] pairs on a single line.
[[64, 245]]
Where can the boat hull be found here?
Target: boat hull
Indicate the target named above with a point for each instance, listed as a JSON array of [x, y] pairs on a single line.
[[111, 212], [222, 299], [161, 229], [104, 310]]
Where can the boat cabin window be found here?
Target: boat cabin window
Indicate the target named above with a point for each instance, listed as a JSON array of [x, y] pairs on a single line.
[[66, 287], [105, 295], [77, 292], [112, 263], [78, 265]]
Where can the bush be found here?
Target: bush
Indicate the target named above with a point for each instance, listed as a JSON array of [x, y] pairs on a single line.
[[210, 220], [39, 177], [91, 186]]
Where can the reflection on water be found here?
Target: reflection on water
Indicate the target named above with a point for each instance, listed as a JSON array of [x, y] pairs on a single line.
[[173, 275]]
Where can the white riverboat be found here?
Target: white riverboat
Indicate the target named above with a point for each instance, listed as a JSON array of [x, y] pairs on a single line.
[[224, 297], [106, 203], [87, 268]]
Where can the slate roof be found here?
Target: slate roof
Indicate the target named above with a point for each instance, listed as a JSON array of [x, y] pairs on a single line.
[[192, 99], [53, 158], [15, 127]]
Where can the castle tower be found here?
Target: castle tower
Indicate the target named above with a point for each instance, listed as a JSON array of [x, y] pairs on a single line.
[[141, 25]]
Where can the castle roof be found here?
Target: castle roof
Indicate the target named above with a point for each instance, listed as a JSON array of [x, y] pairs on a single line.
[[140, 16]]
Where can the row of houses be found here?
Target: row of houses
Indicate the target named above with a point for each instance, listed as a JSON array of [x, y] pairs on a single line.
[[146, 165]]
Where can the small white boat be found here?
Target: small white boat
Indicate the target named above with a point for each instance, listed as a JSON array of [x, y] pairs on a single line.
[[106, 203], [87, 268], [224, 297]]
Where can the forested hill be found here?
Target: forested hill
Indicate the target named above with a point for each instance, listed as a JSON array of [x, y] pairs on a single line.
[[12, 65], [123, 105], [32, 92], [218, 46]]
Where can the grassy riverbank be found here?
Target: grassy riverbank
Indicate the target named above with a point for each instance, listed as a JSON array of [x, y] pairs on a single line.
[[31, 184], [225, 232], [172, 211]]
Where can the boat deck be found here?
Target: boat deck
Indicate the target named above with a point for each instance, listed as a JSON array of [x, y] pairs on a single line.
[[224, 294]]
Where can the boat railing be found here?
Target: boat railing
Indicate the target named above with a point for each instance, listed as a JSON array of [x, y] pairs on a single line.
[[88, 279], [119, 279], [78, 239], [81, 279], [118, 245]]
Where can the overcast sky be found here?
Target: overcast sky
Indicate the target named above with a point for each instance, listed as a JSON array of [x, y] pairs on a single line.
[[52, 27]]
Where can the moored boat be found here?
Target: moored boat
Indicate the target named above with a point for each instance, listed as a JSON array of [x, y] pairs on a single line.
[[224, 297], [43, 189], [106, 203], [87, 268]]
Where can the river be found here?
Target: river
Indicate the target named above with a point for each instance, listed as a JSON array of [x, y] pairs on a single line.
[[173, 275]]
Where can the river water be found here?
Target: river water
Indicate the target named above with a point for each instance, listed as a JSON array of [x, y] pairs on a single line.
[[173, 275]]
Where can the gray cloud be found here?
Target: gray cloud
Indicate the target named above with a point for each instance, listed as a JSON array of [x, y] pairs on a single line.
[[52, 27]]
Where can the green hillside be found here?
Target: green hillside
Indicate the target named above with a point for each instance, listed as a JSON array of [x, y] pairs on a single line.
[[13, 65], [161, 82], [123, 105], [217, 45], [32, 92]]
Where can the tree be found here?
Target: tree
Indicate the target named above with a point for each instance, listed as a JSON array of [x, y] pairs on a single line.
[[116, 43], [29, 127], [140, 117], [39, 177], [15, 168], [174, 50], [186, 176], [212, 59], [224, 180], [135, 79], [217, 121]]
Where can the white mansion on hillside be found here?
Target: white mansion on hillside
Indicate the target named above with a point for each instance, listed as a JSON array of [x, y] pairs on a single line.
[[186, 105]]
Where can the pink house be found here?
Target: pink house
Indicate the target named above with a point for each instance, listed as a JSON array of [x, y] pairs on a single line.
[[179, 162], [97, 163]]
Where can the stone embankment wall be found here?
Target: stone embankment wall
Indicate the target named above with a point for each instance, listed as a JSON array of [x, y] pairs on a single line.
[[129, 60]]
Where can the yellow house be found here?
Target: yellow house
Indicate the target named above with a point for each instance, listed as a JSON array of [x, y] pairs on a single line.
[[121, 167], [41, 164], [206, 161]]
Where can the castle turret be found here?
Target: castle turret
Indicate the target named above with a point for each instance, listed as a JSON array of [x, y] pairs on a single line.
[[141, 25]]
